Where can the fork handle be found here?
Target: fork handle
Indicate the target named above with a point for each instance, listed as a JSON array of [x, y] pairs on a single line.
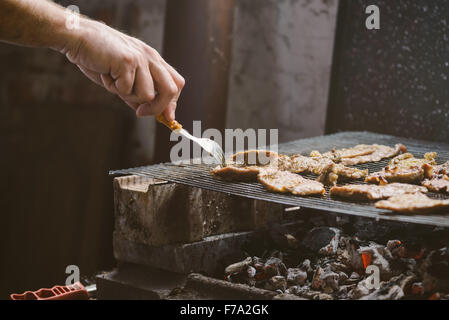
[[172, 125]]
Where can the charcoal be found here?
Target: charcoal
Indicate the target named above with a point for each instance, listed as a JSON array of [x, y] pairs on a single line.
[[296, 276], [435, 271], [385, 293], [406, 283], [395, 247], [307, 292], [338, 267], [251, 282], [345, 289], [353, 254], [342, 277], [417, 288], [322, 240], [291, 290], [362, 289], [354, 278], [286, 296], [238, 267], [257, 260], [333, 267], [292, 242], [277, 266], [326, 280], [276, 283], [316, 281], [307, 267], [323, 296], [380, 257], [251, 272]]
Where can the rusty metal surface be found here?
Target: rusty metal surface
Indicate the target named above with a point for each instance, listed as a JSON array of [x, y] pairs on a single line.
[[199, 176]]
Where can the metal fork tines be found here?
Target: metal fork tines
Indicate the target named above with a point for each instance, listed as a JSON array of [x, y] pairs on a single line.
[[210, 146]]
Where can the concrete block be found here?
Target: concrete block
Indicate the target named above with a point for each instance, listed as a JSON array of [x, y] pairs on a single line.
[[135, 282], [153, 212], [208, 256]]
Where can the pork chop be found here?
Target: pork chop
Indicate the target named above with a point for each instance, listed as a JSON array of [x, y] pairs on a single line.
[[361, 153], [412, 203], [284, 181], [374, 192], [328, 171], [246, 165], [442, 168], [405, 168], [438, 183]]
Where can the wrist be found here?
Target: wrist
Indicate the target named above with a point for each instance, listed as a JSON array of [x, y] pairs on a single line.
[[69, 34]]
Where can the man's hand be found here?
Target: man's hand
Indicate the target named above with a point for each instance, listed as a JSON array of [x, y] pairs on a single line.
[[127, 67], [122, 64]]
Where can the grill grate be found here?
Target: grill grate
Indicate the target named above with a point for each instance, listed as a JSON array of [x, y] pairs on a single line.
[[199, 176]]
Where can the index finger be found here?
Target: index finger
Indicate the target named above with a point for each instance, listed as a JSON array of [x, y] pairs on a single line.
[[166, 89]]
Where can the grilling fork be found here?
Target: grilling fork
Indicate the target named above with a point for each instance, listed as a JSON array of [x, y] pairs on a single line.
[[209, 145]]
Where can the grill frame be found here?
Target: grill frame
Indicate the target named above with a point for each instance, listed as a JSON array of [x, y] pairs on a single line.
[[199, 176]]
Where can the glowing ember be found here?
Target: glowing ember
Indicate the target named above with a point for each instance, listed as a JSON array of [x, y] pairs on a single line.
[[366, 258]]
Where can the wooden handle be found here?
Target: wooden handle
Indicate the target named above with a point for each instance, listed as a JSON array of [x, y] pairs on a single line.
[[172, 125]]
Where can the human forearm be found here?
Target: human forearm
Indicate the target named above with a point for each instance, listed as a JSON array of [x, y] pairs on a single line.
[[39, 23], [122, 64]]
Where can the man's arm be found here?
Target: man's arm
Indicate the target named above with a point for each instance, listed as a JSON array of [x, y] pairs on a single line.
[[122, 64]]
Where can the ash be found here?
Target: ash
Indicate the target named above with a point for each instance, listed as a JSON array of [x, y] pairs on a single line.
[[329, 262]]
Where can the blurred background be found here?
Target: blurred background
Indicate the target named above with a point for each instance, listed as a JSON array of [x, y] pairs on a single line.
[[248, 64]]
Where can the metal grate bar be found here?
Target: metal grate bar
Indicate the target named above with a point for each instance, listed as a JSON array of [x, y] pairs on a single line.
[[199, 176]]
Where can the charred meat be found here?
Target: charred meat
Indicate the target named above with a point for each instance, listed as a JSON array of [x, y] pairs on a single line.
[[374, 192]]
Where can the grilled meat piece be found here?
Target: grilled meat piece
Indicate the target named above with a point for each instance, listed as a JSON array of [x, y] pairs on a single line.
[[254, 157], [373, 192], [438, 183], [300, 163], [348, 173], [407, 160], [442, 168], [246, 165], [235, 172], [328, 171], [284, 181], [412, 203], [405, 168], [361, 153]]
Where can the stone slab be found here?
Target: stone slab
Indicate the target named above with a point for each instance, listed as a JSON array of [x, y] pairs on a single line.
[[152, 212]]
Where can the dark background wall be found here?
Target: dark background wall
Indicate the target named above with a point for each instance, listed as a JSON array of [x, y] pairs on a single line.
[[60, 133], [59, 136], [394, 80]]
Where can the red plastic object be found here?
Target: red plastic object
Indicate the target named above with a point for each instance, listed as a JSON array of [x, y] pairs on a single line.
[[73, 292]]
